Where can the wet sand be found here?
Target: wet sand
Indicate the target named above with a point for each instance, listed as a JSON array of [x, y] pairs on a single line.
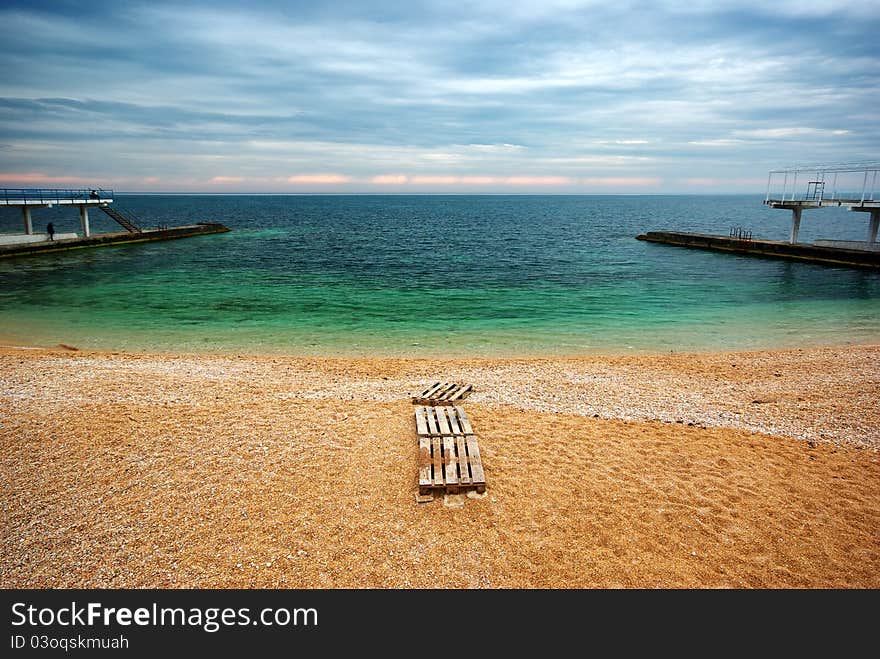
[[721, 470]]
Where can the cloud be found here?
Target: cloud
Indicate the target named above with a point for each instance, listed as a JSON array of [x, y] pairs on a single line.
[[493, 148], [602, 160], [721, 183], [538, 180], [435, 180], [720, 141], [319, 179], [30, 178], [787, 132], [560, 93], [481, 180], [623, 181], [389, 179]]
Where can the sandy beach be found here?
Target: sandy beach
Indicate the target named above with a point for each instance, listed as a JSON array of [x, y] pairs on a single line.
[[716, 470]]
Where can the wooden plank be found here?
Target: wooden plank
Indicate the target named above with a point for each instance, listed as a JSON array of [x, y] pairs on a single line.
[[425, 481], [476, 464], [442, 393], [450, 473], [454, 428], [442, 421], [461, 392], [432, 394], [432, 421], [421, 421], [463, 421], [427, 393], [451, 389], [437, 455], [430, 390], [464, 475]]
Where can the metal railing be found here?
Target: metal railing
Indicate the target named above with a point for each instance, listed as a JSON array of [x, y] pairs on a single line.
[[53, 195], [853, 183], [740, 233]]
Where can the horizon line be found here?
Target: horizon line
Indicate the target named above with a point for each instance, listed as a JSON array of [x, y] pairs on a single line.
[[441, 194]]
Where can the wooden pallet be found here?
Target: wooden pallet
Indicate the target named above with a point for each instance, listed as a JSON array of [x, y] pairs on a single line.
[[442, 420], [443, 393], [449, 456]]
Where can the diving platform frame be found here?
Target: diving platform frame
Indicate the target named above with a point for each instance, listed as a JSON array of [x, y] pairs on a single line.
[[27, 199], [850, 186]]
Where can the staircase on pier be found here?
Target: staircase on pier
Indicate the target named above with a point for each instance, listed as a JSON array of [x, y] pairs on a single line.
[[128, 220]]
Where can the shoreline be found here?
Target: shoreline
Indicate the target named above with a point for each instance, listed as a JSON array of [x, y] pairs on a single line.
[[724, 470], [288, 353]]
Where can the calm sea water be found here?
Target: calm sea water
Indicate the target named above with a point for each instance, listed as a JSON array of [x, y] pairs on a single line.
[[436, 275]]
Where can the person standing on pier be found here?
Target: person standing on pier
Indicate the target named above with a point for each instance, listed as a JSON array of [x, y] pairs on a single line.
[[50, 229]]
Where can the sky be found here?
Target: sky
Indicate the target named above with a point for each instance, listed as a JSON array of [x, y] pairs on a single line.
[[546, 96]]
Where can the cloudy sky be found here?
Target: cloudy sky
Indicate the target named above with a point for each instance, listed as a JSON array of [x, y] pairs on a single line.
[[547, 96]]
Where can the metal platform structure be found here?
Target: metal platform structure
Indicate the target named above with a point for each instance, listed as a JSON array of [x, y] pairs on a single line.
[[847, 185], [83, 199]]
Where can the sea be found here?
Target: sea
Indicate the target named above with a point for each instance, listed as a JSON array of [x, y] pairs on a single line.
[[436, 276]]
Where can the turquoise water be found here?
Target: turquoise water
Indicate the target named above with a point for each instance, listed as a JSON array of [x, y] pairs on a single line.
[[436, 275]]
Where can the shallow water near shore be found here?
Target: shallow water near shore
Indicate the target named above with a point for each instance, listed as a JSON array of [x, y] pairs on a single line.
[[436, 276]]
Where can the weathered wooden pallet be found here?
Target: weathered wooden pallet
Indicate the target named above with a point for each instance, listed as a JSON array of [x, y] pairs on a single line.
[[450, 464], [434, 421], [449, 456], [443, 393]]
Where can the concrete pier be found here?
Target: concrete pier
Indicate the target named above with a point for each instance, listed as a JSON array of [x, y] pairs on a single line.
[[83, 199], [62, 242], [819, 254], [849, 186]]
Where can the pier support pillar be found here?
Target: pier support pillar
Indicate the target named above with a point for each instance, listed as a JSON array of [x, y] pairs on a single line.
[[28, 224], [872, 226], [84, 221], [795, 225]]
